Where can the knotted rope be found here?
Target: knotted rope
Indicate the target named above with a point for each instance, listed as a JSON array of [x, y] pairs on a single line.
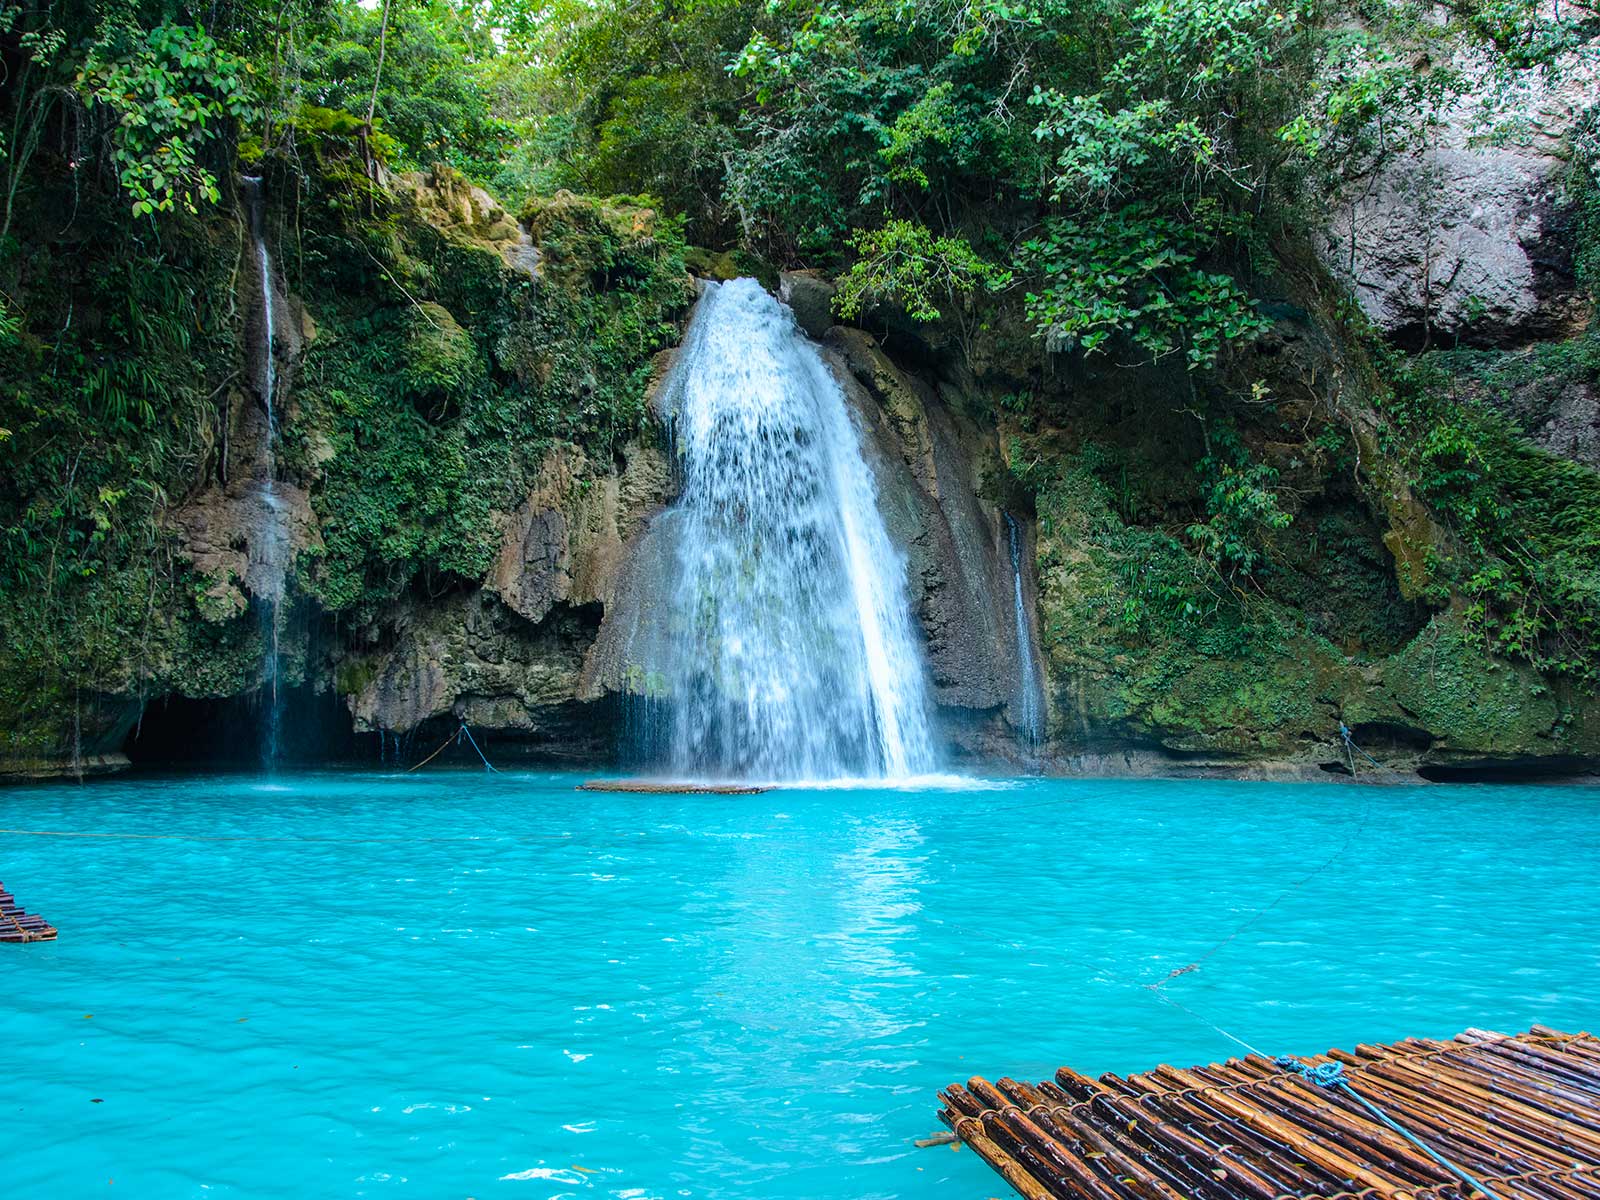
[[1331, 1075]]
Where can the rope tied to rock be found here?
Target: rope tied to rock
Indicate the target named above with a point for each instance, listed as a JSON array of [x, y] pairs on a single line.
[[456, 737], [1350, 744]]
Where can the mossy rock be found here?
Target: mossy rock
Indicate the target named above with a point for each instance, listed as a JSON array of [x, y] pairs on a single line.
[[600, 243], [1473, 701], [717, 265], [441, 357]]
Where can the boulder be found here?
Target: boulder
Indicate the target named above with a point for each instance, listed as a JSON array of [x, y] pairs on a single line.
[[565, 543], [1464, 236], [810, 296]]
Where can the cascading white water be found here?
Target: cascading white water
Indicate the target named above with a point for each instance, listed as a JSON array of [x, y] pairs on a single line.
[[270, 540], [1030, 702], [791, 647]]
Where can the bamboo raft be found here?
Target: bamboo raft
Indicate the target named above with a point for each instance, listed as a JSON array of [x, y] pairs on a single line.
[[657, 787], [1520, 1114], [19, 926]]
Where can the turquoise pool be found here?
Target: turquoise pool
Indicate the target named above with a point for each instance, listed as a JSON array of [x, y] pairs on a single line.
[[450, 984]]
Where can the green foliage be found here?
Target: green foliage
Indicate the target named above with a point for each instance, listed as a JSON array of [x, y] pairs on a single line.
[[1528, 523], [442, 361], [1140, 584], [1134, 272], [904, 263], [921, 135], [172, 94], [497, 372], [1583, 185], [1127, 163], [329, 132], [1102, 150], [1367, 100], [1241, 506], [633, 98], [1528, 34], [115, 342], [437, 95]]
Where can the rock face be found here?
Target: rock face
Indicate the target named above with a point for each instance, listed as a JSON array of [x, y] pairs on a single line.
[[510, 656], [1460, 243], [565, 543], [537, 642], [544, 651], [470, 658], [243, 541], [810, 296], [1461, 240], [1549, 393], [447, 201], [937, 469], [1567, 423]]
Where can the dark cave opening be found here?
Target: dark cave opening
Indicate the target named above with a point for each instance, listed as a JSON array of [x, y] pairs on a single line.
[[235, 732]]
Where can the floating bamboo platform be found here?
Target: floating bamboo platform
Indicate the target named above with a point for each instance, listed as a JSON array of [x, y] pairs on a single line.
[[660, 787], [19, 926], [1519, 1114]]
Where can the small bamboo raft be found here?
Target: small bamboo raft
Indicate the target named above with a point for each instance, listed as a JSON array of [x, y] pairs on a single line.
[[1518, 1114], [19, 926], [659, 787]]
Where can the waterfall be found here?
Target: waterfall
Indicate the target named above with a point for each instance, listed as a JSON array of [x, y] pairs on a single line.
[[790, 643], [1031, 699], [270, 537]]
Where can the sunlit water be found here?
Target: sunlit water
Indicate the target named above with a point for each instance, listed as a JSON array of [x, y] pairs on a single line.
[[452, 984]]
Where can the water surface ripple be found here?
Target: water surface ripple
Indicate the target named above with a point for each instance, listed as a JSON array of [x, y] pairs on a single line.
[[450, 984]]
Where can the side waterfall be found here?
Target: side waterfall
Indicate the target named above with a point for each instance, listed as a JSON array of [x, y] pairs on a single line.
[[270, 540], [1031, 700], [791, 649]]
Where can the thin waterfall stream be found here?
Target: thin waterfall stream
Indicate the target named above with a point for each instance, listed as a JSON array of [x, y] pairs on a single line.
[[270, 540], [1030, 698], [792, 652]]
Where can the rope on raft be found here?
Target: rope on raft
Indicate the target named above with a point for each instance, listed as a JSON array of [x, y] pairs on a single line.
[[1331, 1075]]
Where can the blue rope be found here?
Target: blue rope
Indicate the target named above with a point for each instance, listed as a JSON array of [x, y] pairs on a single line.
[[474, 742], [1344, 732], [1331, 1075], [1324, 1075]]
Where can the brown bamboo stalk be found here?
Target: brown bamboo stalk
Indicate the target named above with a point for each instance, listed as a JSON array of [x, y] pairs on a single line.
[[1471, 1095], [961, 1115], [1328, 1112], [1068, 1164], [1269, 1155], [1182, 1160], [1238, 1156], [1465, 1135], [1332, 1159], [1547, 1071], [1118, 1156], [1561, 1061]]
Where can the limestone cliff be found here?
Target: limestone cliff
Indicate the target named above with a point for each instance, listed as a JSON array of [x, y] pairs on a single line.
[[469, 508]]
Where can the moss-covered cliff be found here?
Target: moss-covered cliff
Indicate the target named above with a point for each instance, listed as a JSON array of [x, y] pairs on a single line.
[[447, 516], [430, 358]]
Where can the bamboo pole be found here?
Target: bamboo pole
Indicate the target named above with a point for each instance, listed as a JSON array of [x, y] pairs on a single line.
[[1521, 1114]]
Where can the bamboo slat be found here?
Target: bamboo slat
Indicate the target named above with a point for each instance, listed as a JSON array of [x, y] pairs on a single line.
[[1519, 1113], [19, 926], [656, 787]]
